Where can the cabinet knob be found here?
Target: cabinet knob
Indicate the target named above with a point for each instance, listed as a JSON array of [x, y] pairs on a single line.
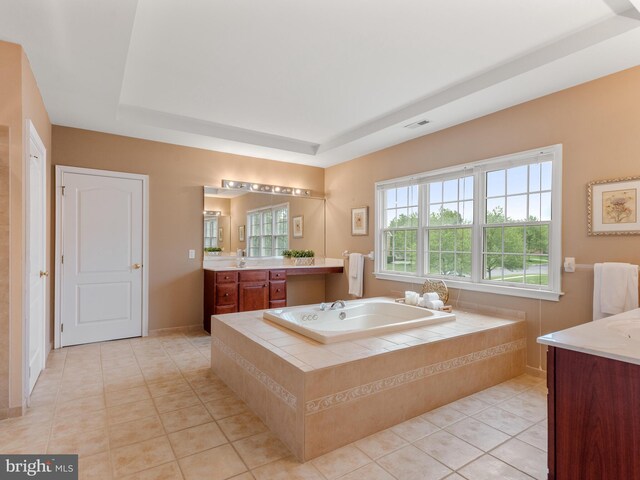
[[226, 294], [277, 290], [226, 278], [264, 286]]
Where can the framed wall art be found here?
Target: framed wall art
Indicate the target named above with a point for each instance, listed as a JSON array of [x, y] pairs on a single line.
[[613, 206], [298, 226], [360, 221], [241, 233]]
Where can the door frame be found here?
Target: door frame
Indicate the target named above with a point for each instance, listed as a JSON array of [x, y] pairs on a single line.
[[60, 171], [32, 136]]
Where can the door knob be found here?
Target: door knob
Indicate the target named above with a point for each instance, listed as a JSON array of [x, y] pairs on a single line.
[[43, 274], [137, 266]]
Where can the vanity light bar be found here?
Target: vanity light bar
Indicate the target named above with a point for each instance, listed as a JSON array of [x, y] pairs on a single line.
[[264, 188], [215, 213]]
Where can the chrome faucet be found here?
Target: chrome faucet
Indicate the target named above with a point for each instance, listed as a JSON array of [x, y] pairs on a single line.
[[339, 303]]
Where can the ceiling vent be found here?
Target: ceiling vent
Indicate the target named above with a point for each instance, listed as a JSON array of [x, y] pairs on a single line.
[[419, 123]]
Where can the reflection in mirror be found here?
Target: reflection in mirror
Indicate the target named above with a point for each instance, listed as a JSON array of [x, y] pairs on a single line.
[[262, 224]]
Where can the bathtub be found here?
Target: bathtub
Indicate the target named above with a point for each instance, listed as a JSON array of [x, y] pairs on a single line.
[[362, 318]]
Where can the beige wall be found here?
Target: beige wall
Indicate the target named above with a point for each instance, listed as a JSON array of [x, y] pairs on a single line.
[[176, 179], [598, 124], [20, 100]]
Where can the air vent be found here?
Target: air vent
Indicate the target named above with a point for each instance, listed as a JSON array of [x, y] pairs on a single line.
[[419, 123]]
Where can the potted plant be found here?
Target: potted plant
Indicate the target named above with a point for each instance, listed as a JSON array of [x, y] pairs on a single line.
[[300, 257], [212, 251]]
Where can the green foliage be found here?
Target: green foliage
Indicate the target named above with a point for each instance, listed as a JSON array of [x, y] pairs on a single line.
[[212, 249], [298, 253]]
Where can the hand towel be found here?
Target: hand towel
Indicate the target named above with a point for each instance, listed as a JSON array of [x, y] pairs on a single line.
[[434, 304], [615, 289], [356, 274]]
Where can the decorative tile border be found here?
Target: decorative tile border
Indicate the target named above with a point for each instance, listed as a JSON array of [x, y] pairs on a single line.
[[333, 400], [274, 387]]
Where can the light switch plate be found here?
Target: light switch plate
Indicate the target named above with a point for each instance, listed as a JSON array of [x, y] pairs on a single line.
[[192, 254]]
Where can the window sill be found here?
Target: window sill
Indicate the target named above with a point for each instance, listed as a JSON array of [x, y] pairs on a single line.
[[477, 287]]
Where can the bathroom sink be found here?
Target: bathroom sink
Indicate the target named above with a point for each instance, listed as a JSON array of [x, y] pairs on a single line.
[[628, 327]]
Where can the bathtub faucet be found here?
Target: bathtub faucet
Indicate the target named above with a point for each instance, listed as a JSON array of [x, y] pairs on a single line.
[[325, 306]]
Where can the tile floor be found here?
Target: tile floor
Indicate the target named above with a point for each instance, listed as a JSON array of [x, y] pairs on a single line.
[[151, 409]]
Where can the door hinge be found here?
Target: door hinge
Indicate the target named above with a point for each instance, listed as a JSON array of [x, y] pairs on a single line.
[[61, 327], [62, 259], [62, 187]]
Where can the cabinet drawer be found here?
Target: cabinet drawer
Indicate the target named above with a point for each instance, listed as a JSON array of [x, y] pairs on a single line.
[[278, 275], [253, 276], [226, 309], [277, 291], [226, 277], [226, 294], [278, 304]]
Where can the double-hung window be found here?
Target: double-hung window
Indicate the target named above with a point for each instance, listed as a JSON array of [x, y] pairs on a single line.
[[492, 225], [268, 231]]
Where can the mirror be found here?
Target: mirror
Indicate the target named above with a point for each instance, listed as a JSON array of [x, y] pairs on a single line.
[[262, 224]]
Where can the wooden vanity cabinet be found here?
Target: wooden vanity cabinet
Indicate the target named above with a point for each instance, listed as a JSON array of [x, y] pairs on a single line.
[[594, 417]]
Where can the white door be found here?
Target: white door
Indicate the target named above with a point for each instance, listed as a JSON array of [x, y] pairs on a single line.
[[102, 255], [36, 256]]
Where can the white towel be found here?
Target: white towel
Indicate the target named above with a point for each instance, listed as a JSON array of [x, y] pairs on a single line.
[[615, 289], [356, 274]]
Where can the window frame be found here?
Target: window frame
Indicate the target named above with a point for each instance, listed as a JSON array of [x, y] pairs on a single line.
[[274, 236], [478, 170]]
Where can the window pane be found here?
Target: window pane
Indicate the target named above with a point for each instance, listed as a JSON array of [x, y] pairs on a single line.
[[546, 175], [545, 207], [537, 270], [390, 198], [448, 266], [463, 264], [413, 195], [413, 217], [390, 217], [517, 208], [514, 239], [517, 180], [495, 210], [493, 267], [434, 240], [402, 197], [450, 191], [534, 177], [513, 268], [434, 263], [466, 193], [435, 215], [538, 239], [435, 192], [466, 212], [463, 239], [495, 183], [448, 241], [534, 207], [493, 239], [449, 214]]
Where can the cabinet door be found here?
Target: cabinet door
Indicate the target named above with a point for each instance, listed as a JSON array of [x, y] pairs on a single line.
[[254, 296], [278, 291]]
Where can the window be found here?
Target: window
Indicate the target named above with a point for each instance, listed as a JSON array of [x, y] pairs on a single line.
[[210, 231], [268, 231], [491, 226]]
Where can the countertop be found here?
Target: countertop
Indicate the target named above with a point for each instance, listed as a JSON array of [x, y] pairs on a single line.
[[616, 337], [257, 264]]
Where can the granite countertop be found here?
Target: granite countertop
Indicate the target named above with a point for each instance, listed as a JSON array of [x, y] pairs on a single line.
[[616, 337]]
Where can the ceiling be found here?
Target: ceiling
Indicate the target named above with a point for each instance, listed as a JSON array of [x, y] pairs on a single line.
[[308, 82]]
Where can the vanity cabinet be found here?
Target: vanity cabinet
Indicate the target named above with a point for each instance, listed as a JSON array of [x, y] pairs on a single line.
[[594, 417]]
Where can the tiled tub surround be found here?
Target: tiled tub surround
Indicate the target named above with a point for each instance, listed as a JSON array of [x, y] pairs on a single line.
[[318, 398]]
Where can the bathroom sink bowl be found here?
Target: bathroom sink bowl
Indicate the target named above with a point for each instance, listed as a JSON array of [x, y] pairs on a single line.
[[357, 319], [628, 327]]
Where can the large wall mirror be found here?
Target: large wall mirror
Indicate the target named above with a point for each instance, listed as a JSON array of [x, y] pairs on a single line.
[[262, 224]]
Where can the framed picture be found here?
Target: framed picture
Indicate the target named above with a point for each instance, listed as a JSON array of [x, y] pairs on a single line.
[[220, 235], [360, 221], [298, 226], [613, 207], [241, 233]]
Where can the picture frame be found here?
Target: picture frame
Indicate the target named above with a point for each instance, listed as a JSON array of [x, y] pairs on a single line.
[[220, 235], [297, 229], [360, 221], [613, 206], [241, 231]]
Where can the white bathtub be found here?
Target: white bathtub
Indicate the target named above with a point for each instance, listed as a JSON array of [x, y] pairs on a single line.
[[363, 318]]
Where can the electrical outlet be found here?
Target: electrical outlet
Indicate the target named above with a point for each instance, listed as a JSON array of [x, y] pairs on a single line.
[[192, 254]]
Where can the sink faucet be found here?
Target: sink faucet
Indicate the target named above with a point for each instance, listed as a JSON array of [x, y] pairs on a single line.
[[339, 303]]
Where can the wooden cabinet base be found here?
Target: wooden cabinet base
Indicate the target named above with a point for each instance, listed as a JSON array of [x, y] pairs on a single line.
[[594, 417]]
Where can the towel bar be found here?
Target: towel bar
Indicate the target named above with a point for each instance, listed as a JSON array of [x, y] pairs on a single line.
[[369, 255]]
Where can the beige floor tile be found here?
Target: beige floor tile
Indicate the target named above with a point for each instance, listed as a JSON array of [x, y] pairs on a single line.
[[168, 387], [243, 476], [531, 407], [226, 407], [80, 405], [80, 422], [448, 449], [490, 468], [241, 426], [176, 401], [414, 429], [196, 439], [131, 411], [216, 464], [83, 443], [287, 469], [504, 421], [372, 471], [478, 434], [341, 461], [120, 397], [524, 457], [261, 449], [141, 456], [168, 471], [469, 405], [410, 463], [444, 416], [213, 392], [497, 394], [454, 476], [124, 383], [95, 467], [536, 436], [127, 433], [380, 444], [185, 418]]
